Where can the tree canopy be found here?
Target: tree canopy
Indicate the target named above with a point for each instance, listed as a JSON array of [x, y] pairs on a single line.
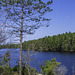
[[61, 42]]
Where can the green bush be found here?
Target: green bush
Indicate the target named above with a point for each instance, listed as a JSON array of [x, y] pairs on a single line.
[[50, 67]]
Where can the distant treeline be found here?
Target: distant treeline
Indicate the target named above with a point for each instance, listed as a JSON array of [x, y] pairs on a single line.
[[61, 42], [9, 46]]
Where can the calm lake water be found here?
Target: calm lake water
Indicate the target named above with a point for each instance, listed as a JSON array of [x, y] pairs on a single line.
[[39, 58]]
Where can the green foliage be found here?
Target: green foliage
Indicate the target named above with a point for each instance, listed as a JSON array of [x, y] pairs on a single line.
[[1, 69], [6, 71], [50, 67], [15, 70], [9, 46], [6, 59], [24, 71], [63, 42]]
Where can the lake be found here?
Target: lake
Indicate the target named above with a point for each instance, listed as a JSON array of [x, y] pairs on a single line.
[[39, 58]]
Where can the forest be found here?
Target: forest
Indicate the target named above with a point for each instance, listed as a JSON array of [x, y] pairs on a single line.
[[62, 42]]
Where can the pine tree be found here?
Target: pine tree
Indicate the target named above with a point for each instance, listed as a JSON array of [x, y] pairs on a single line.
[[24, 16]]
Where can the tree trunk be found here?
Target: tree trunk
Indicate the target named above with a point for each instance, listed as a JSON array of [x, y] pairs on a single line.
[[20, 57]]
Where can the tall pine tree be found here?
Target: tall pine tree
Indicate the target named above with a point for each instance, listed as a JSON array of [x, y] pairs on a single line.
[[24, 16]]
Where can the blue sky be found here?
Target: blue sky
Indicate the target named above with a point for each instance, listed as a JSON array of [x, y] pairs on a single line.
[[62, 20]]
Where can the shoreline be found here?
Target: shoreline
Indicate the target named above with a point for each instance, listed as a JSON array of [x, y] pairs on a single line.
[[70, 51]]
